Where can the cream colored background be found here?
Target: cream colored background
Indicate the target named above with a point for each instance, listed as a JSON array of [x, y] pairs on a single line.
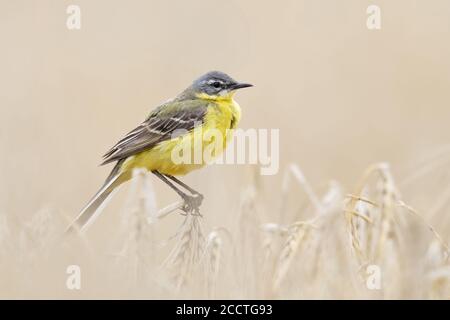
[[342, 96]]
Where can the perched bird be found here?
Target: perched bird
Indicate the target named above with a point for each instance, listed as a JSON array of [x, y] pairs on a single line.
[[207, 104]]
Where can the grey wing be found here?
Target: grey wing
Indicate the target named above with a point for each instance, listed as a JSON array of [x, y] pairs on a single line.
[[163, 124]]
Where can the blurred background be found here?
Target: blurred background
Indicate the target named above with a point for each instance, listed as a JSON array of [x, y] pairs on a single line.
[[342, 96]]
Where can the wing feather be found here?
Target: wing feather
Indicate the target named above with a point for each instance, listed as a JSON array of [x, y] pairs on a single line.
[[158, 127]]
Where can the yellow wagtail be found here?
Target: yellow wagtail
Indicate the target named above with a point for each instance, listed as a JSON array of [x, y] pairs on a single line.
[[207, 104]]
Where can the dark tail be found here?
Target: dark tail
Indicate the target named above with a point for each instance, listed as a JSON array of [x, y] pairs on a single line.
[[94, 207]]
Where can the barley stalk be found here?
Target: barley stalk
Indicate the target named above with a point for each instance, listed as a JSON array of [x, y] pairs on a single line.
[[187, 251]]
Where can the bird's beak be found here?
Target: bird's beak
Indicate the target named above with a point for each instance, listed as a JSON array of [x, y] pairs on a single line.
[[240, 86]]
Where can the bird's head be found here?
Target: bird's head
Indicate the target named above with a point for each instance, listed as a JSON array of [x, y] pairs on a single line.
[[216, 85]]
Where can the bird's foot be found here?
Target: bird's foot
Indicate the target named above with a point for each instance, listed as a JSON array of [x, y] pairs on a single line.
[[192, 204]]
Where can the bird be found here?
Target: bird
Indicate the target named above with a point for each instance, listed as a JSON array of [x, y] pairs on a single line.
[[207, 104]]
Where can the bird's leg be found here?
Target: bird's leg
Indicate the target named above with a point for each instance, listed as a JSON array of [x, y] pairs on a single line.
[[170, 184], [191, 203], [198, 197], [184, 185]]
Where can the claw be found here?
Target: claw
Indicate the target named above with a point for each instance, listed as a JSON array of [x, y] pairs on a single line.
[[192, 204]]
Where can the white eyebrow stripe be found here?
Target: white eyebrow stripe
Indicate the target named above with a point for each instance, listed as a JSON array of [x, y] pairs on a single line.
[[215, 80]]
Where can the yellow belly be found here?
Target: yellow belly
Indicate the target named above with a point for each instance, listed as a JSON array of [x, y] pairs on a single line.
[[220, 119]]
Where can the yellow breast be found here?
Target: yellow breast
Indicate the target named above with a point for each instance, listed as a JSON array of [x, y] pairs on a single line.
[[209, 139], [223, 115]]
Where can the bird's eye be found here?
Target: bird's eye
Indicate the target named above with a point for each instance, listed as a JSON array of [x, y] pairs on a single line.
[[216, 84]]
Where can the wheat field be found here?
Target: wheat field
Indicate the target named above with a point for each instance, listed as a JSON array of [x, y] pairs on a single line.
[[324, 248], [357, 210]]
